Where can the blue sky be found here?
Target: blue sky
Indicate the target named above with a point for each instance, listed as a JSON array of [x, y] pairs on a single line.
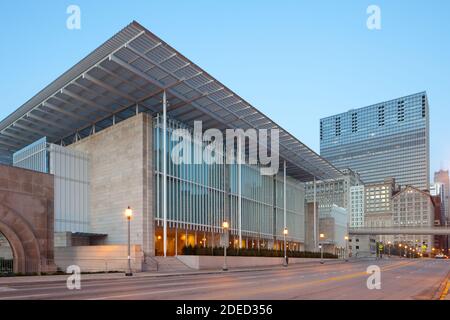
[[297, 61]]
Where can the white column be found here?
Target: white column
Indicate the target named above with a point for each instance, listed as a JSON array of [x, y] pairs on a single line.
[[314, 213], [240, 191], [284, 194], [284, 214], [165, 173], [176, 240]]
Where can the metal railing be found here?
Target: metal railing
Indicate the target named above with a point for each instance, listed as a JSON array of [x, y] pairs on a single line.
[[86, 265], [398, 230], [100, 265], [6, 266]]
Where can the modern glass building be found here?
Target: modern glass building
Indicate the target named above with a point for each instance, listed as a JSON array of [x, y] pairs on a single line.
[[108, 124], [202, 196], [388, 139]]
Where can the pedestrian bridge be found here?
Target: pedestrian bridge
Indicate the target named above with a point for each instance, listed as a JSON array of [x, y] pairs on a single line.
[[401, 231]]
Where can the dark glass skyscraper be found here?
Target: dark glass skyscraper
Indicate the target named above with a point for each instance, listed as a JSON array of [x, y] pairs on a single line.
[[384, 140]]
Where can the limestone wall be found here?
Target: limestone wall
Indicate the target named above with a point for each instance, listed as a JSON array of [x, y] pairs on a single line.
[[121, 176]]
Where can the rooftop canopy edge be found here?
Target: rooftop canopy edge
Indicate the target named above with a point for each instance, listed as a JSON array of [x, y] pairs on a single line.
[[128, 73]]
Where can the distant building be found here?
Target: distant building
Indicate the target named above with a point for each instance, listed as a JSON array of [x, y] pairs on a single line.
[[387, 139], [441, 177], [356, 206], [440, 241], [332, 192], [438, 191], [360, 246], [413, 208], [378, 206], [334, 228]]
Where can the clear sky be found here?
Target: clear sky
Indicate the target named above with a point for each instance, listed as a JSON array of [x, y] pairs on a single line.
[[296, 61]]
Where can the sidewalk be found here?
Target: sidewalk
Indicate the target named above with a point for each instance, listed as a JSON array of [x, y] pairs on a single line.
[[113, 276]]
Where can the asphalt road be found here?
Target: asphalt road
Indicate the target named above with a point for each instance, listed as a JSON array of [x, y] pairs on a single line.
[[400, 279]]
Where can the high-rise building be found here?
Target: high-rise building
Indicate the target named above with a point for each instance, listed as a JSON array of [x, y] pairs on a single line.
[[438, 191], [441, 178], [387, 139]]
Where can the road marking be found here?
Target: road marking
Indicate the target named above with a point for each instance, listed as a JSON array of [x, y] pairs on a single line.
[[336, 278], [6, 289], [25, 297], [162, 291], [445, 292]]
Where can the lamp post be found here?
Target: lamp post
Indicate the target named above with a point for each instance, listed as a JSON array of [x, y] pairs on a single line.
[[406, 251], [321, 236], [400, 250], [225, 227], [389, 248], [129, 215], [346, 248], [285, 233]]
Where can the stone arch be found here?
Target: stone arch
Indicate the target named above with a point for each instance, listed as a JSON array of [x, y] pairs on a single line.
[[23, 242]]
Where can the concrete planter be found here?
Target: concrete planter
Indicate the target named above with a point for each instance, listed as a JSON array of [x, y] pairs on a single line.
[[216, 262], [108, 258]]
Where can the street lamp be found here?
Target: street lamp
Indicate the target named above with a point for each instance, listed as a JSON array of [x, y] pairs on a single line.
[[285, 233], [346, 248], [321, 236], [389, 248], [225, 227], [129, 215]]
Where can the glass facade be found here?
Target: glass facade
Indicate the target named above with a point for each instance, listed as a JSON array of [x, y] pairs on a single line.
[[389, 139], [201, 196]]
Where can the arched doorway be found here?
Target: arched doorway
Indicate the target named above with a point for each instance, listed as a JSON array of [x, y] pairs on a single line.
[[27, 219], [6, 256], [21, 240]]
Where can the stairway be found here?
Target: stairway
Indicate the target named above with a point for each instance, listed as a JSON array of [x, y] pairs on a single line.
[[171, 264]]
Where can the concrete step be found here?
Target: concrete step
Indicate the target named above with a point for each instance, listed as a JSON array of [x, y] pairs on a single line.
[[171, 264], [150, 264]]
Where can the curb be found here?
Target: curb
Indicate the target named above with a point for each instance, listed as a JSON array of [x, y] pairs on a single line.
[[8, 281]]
